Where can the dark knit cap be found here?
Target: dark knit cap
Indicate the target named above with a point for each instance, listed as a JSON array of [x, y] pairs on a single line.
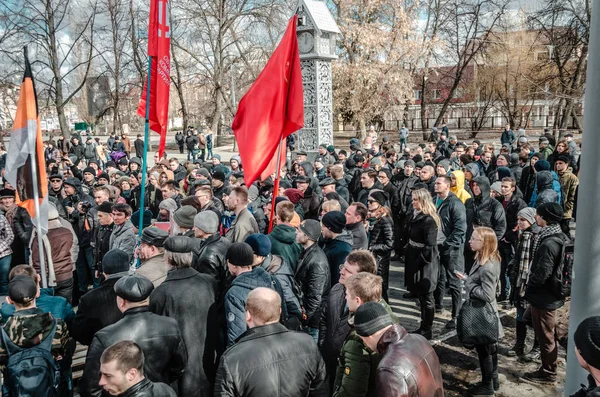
[[410, 163], [587, 340], [371, 317], [105, 176], [90, 170], [550, 212], [105, 207], [419, 164], [240, 254], [334, 221], [134, 288], [76, 183], [541, 165], [260, 244], [22, 289], [380, 196], [219, 175], [311, 228], [504, 172], [7, 193], [147, 221], [110, 163], [123, 161], [564, 158], [184, 216], [115, 261], [506, 157]]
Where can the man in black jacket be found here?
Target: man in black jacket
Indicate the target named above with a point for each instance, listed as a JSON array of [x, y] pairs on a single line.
[[313, 274], [139, 146], [454, 227], [188, 297], [165, 361], [98, 308], [401, 206], [268, 359], [541, 294], [122, 369], [333, 326], [209, 254], [482, 210]]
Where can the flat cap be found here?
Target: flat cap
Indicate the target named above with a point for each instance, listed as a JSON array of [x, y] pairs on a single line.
[[327, 181], [302, 179], [301, 153], [179, 244], [154, 236], [134, 288]]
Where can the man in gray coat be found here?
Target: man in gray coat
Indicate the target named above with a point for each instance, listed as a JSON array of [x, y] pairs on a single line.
[[244, 223], [123, 236]]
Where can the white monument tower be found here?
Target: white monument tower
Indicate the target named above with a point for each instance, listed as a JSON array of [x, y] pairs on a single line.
[[317, 33]]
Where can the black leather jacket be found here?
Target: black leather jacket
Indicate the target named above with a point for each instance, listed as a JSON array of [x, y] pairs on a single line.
[[209, 258], [158, 336], [148, 389], [22, 225], [313, 274], [270, 360]]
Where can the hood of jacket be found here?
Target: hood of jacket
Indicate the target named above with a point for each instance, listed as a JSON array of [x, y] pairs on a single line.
[[308, 168], [344, 237], [484, 186], [29, 327], [460, 181], [284, 233], [258, 277], [276, 264], [544, 180], [473, 168]]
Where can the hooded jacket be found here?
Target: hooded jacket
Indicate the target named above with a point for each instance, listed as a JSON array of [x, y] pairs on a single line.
[[483, 210], [283, 243], [337, 249], [459, 189], [568, 184], [235, 300], [123, 238], [545, 192], [281, 269]]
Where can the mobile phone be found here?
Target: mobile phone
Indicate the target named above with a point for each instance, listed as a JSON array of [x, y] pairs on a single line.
[[460, 274]]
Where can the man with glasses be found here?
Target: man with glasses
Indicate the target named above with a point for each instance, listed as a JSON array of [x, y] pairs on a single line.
[[56, 186], [334, 326], [384, 176]]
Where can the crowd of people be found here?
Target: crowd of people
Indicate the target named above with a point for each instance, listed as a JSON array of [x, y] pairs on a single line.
[[208, 300]]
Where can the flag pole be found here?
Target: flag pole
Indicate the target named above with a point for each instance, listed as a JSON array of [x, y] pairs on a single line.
[[276, 184], [145, 156]]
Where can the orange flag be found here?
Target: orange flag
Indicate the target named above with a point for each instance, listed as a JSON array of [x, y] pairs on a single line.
[[26, 153]]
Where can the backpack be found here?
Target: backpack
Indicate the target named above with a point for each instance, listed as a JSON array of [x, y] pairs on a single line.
[[90, 151], [562, 275], [32, 371]]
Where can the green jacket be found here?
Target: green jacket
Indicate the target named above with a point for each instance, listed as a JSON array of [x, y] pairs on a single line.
[[568, 184], [546, 152], [283, 243], [357, 365]]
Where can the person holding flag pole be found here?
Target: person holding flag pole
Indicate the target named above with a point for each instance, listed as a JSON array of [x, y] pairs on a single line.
[[25, 162]]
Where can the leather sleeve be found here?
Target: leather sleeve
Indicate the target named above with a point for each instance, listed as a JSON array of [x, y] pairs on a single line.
[[390, 384], [384, 238], [316, 278], [458, 215], [224, 384], [318, 386]]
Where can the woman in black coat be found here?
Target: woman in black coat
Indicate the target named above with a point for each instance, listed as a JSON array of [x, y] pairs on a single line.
[[381, 235], [422, 261]]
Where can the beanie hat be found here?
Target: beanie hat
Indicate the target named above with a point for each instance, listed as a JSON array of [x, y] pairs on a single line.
[[90, 170], [219, 175], [294, 195], [550, 212], [379, 196], [528, 213], [371, 317], [496, 187], [123, 161], [445, 164], [541, 165], [311, 228], [410, 163], [334, 221], [514, 159], [147, 221], [110, 163], [104, 175], [331, 148], [564, 158], [240, 254], [184, 216], [503, 172], [169, 205], [261, 244], [207, 221], [587, 340], [506, 157], [115, 261], [7, 193], [105, 207]]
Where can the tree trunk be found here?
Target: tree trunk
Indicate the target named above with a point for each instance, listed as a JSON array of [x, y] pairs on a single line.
[[362, 130], [58, 91], [179, 88]]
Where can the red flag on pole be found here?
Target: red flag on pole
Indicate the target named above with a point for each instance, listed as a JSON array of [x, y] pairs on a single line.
[[159, 48], [272, 109]]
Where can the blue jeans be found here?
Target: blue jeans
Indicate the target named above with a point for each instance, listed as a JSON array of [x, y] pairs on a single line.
[[85, 269], [191, 155], [314, 332], [4, 270]]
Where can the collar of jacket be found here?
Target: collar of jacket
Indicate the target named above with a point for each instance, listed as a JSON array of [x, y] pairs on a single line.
[[392, 335], [353, 226], [136, 310], [210, 239], [261, 331], [28, 312], [135, 389], [179, 274]]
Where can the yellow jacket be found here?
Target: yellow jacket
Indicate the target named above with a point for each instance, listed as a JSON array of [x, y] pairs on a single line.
[[459, 189]]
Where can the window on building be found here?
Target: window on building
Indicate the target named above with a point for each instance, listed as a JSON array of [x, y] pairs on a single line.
[[436, 94], [459, 93], [417, 94]]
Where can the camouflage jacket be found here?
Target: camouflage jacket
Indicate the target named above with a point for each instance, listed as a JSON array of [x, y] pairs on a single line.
[[27, 328]]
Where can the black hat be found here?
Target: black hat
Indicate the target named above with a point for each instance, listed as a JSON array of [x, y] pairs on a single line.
[[327, 181], [115, 261], [334, 221], [147, 221], [380, 196], [219, 175], [179, 244], [260, 244], [240, 254], [202, 182], [587, 340], [371, 317], [134, 288], [110, 163], [7, 193], [76, 183], [104, 175], [22, 289], [105, 207], [123, 161], [89, 170], [550, 212], [564, 158], [419, 164], [55, 176], [311, 228], [302, 179], [154, 236]]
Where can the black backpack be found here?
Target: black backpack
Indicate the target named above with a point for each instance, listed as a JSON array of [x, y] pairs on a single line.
[[31, 372], [562, 274]]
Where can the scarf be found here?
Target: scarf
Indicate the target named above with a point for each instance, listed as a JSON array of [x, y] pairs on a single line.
[[547, 231], [527, 238]]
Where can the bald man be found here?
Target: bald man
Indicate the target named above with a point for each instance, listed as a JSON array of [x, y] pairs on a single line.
[[267, 352]]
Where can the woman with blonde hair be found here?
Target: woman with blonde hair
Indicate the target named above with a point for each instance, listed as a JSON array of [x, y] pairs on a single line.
[[422, 262], [481, 284]]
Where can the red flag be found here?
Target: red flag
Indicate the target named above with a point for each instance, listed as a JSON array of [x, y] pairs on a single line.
[[159, 47], [272, 166], [272, 109]]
